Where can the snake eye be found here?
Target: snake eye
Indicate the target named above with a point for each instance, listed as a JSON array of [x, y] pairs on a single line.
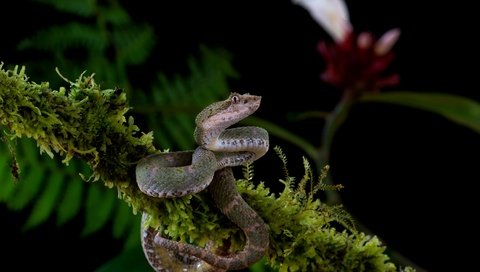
[[235, 99]]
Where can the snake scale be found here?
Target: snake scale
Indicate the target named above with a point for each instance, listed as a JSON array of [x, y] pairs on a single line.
[[176, 174]]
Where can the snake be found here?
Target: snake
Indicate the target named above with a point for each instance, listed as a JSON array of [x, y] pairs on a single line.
[[181, 173]]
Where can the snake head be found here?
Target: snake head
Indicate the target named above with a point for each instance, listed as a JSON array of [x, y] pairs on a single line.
[[223, 114]]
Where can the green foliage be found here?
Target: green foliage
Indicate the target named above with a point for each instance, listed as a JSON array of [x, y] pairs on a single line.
[[49, 187], [284, 134], [84, 8], [460, 110], [101, 206], [303, 237], [45, 187], [72, 35], [108, 29], [109, 42]]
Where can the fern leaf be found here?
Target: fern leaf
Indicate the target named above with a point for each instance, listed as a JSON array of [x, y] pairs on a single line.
[[122, 220], [338, 214], [176, 102], [46, 202], [115, 15], [248, 171], [79, 7], [26, 191], [71, 202], [307, 176], [132, 239], [183, 141], [161, 136], [7, 186], [278, 150], [137, 43], [60, 38], [32, 177], [321, 185], [99, 207], [134, 43]]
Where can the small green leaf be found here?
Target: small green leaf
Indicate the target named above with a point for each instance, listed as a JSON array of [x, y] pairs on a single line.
[[133, 239], [183, 141], [115, 15], [7, 185], [99, 205], [79, 7], [62, 37], [123, 219], [71, 201], [28, 187], [47, 201], [134, 44], [460, 110], [29, 152]]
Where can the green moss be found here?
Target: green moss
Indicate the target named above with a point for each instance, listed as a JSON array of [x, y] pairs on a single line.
[[89, 123], [303, 236], [82, 121]]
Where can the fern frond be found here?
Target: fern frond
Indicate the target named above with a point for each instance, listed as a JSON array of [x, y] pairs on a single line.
[[248, 172], [115, 15], [52, 189], [28, 189], [122, 220], [6, 182], [46, 202], [134, 43], [78, 7], [338, 214], [278, 150], [57, 39], [14, 166], [32, 178], [71, 201], [307, 176], [175, 102], [100, 205]]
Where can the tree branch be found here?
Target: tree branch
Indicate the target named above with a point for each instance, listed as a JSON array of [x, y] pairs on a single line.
[[88, 123]]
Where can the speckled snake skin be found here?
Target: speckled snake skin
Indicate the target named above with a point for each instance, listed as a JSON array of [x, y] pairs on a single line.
[[175, 174]]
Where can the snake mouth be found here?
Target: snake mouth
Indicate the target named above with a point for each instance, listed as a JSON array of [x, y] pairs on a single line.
[[253, 101]]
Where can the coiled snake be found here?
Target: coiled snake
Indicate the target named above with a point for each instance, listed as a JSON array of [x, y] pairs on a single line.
[[176, 174]]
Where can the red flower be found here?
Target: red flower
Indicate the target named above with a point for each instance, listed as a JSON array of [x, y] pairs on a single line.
[[358, 63]]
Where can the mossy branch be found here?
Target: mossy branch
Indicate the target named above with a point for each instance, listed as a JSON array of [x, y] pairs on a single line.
[[88, 123]]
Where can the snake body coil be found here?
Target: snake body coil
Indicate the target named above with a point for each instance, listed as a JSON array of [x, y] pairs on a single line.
[[176, 174]]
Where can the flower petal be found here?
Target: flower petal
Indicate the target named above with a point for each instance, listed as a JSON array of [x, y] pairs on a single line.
[[332, 15], [387, 41]]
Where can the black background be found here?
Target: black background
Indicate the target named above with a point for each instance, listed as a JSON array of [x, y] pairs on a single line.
[[409, 175]]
